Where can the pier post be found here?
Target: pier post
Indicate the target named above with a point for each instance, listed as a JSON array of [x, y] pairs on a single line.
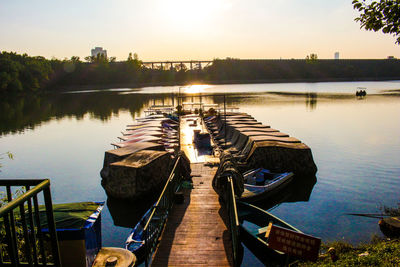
[[225, 118]]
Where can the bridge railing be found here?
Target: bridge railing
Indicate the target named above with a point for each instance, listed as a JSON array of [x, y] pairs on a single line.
[[159, 214], [24, 243], [233, 220]]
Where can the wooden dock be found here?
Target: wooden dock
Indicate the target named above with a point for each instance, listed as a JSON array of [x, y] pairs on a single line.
[[196, 233]]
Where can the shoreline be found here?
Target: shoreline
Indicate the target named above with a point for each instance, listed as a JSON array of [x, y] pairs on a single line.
[[156, 84]]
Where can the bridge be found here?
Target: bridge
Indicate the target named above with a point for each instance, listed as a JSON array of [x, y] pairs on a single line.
[[193, 64]]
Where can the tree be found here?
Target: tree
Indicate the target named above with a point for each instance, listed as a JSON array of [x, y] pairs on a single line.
[[89, 58], [75, 59], [383, 15], [311, 58]]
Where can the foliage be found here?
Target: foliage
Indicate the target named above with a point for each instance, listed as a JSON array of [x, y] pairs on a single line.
[[379, 15], [22, 73], [20, 237], [377, 253], [391, 211], [312, 58]]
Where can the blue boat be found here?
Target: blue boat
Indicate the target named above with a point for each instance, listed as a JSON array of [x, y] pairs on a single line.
[[136, 240], [78, 227]]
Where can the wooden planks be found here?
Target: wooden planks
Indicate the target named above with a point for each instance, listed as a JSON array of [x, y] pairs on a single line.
[[195, 234]]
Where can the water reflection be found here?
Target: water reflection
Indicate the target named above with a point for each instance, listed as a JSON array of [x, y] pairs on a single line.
[[19, 114], [127, 213], [299, 189], [311, 101]]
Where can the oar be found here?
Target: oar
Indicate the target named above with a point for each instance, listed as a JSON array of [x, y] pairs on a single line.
[[370, 215]]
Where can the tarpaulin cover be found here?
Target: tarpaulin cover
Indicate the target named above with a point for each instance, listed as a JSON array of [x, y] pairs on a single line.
[[70, 215]]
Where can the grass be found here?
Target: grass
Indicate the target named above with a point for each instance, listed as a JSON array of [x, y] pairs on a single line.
[[378, 252]]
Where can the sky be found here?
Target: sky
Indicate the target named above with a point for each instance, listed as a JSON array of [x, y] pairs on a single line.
[[190, 29]]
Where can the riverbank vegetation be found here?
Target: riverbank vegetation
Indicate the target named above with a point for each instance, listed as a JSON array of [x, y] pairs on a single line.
[[24, 74], [379, 252]]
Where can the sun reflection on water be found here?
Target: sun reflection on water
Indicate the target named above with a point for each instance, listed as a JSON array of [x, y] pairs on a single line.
[[195, 88]]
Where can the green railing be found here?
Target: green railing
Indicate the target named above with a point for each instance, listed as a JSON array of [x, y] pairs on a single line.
[[233, 220], [159, 214], [23, 242]]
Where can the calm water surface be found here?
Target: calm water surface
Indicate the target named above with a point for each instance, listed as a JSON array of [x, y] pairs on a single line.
[[355, 144]]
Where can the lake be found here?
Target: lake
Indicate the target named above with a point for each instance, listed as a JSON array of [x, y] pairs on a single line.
[[355, 144]]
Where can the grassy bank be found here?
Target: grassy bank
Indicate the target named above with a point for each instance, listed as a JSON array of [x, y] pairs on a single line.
[[378, 252]]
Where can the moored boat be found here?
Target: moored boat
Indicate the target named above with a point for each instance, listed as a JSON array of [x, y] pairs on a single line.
[[253, 227], [135, 242], [255, 144], [261, 183], [390, 226], [142, 158]]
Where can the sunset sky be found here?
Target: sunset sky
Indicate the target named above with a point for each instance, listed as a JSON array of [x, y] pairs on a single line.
[[189, 29]]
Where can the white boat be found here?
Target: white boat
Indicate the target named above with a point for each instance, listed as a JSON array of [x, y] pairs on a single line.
[[261, 183]]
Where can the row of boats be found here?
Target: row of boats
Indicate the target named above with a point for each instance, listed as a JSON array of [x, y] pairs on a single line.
[[237, 136], [144, 154]]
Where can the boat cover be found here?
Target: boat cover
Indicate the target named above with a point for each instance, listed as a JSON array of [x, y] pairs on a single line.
[[262, 133], [137, 174], [280, 157], [123, 152], [72, 216], [241, 125], [274, 138]]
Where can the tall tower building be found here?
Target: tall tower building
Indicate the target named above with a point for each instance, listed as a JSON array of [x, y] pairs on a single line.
[[336, 55]]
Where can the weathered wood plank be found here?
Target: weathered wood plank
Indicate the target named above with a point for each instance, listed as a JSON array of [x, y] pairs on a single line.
[[195, 234]]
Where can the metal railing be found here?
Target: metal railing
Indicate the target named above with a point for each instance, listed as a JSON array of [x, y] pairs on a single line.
[[22, 240], [233, 220], [159, 214]]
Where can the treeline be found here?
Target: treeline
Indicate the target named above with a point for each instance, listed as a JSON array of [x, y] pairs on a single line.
[[21, 73], [303, 70]]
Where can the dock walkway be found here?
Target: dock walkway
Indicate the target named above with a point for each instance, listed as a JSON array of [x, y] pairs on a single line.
[[195, 233]]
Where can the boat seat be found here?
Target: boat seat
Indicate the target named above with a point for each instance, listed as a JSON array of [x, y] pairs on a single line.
[[262, 230]]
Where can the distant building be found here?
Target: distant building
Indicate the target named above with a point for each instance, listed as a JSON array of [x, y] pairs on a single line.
[[99, 51], [391, 57], [336, 55]]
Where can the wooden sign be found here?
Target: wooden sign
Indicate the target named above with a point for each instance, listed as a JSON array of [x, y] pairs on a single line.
[[293, 243]]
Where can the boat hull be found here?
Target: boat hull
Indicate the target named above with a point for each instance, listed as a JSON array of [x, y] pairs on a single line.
[[251, 218], [255, 193]]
